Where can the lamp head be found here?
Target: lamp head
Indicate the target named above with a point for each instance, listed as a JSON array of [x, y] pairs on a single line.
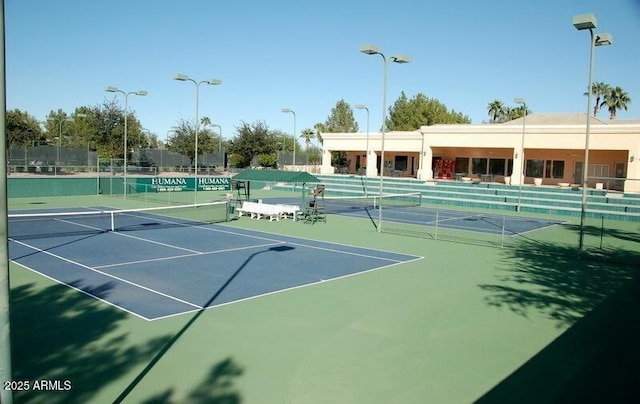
[[81, 115], [370, 49], [213, 82], [400, 59], [603, 39], [141, 92], [111, 89], [285, 110], [585, 21], [519, 101], [180, 77], [360, 106]]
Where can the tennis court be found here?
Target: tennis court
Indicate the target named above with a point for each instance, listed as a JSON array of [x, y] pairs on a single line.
[[405, 212], [160, 262], [465, 318]]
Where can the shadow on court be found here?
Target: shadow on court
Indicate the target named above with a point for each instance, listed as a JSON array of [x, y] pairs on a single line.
[[598, 298], [595, 361], [167, 346], [217, 388], [60, 334]]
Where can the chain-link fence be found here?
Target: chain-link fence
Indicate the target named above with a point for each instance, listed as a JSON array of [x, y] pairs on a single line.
[[48, 159]]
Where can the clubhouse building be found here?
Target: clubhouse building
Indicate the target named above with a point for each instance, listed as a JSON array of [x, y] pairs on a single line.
[[541, 149]]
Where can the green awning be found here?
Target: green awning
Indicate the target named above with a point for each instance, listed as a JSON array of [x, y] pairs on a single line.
[[276, 176]]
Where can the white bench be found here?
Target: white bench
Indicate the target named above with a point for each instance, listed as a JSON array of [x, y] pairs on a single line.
[[289, 211], [273, 212]]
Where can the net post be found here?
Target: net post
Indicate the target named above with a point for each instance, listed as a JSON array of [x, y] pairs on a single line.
[[504, 224], [437, 217], [113, 220]]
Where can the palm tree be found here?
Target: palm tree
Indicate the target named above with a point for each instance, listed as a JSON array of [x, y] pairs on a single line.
[[598, 90], [496, 110], [615, 99], [517, 112], [204, 121], [307, 135]]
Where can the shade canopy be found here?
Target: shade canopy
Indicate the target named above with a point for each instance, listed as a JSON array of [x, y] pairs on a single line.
[[276, 176]]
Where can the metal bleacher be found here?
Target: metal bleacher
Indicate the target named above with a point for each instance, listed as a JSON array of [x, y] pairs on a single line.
[[607, 204]]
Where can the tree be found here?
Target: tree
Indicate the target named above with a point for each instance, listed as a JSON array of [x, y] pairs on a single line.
[[341, 119], [616, 98], [205, 121], [250, 141], [22, 130], [496, 110], [598, 90], [75, 129], [106, 128], [307, 135], [410, 114], [314, 155], [319, 128], [512, 113], [183, 140]]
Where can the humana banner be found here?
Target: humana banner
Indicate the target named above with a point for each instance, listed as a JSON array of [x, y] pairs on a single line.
[[179, 184]]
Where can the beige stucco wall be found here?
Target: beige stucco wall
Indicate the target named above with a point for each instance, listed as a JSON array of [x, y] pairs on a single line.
[[611, 144]]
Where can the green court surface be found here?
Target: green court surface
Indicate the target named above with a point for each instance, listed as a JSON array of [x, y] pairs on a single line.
[[525, 323]]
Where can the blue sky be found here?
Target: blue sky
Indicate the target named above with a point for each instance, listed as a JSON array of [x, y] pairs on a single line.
[[304, 55]]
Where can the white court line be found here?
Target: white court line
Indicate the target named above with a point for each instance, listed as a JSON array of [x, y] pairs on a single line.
[[105, 274], [267, 239], [58, 281], [158, 242], [276, 242], [316, 241], [188, 255], [287, 289]]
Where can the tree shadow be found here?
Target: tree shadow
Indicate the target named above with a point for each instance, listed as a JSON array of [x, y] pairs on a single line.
[[551, 279], [217, 388], [596, 294], [60, 334], [595, 361], [171, 341]]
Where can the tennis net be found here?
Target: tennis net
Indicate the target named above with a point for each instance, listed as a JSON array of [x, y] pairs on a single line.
[[345, 204], [24, 226]]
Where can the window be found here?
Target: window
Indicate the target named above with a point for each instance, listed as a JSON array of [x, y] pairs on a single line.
[[401, 163], [535, 168], [462, 165], [478, 165], [554, 169], [598, 170], [496, 166]]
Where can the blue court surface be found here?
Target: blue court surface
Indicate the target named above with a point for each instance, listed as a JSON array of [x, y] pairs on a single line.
[[156, 268], [394, 212]]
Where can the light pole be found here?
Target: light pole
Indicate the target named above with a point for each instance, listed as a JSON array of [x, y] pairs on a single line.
[[126, 113], [360, 106], [220, 140], [588, 22], [212, 82], [371, 49], [287, 110], [524, 117]]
